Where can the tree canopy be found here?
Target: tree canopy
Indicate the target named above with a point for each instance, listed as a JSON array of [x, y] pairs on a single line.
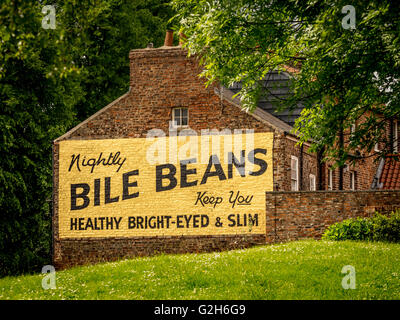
[[50, 80], [100, 34], [342, 73]]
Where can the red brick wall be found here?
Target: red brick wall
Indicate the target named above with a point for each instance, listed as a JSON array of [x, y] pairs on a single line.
[[89, 251], [296, 215]]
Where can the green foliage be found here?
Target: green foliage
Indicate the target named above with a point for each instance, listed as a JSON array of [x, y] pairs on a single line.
[[377, 228], [350, 229], [100, 34], [38, 87], [294, 270], [344, 73], [386, 228], [50, 80]]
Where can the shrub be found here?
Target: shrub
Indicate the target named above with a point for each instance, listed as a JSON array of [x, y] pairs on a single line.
[[350, 229], [378, 228], [386, 228]]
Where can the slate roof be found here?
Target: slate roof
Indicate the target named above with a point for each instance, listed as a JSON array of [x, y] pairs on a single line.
[[258, 113], [390, 177], [277, 88]]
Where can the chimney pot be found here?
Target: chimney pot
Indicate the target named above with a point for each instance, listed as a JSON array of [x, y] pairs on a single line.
[[169, 38]]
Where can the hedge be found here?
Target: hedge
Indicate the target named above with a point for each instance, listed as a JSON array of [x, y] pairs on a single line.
[[377, 228]]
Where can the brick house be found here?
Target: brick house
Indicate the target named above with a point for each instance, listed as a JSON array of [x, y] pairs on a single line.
[[165, 88], [369, 172]]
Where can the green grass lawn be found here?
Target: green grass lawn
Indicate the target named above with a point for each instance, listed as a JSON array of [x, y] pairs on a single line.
[[297, 270]]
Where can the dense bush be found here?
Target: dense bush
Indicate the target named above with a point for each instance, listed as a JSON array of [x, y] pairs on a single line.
[[350, 229], [386, 228], [377, 228]]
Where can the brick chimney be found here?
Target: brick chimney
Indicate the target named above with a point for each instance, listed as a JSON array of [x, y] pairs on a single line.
[[163, 76], [169, 38], [148, 65]]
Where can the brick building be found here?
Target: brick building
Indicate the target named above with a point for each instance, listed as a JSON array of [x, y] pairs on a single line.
[[368, 172], [166, 93], [165, 88]]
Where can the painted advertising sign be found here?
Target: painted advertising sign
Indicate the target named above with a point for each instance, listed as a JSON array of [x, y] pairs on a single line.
[[164, 186]]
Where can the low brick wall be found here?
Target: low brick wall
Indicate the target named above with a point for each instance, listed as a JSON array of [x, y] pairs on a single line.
[[297, 215]]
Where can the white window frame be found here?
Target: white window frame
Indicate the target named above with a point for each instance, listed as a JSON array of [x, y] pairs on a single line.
[[174, 123], [313, 186], [293, 158], [352, 180], [395, 136], [330, 179]]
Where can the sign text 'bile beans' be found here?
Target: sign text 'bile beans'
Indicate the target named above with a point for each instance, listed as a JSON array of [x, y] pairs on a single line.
[[108, 188]]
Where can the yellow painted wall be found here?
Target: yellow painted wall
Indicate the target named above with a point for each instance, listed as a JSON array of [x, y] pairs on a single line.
[[176, 206]]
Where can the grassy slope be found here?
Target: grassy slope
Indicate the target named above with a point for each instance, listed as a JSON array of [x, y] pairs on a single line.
[[296, 270]]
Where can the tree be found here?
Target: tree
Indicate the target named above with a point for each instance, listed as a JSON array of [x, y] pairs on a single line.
[[38, 87], [100, 34], [50, 80], [343, 74]]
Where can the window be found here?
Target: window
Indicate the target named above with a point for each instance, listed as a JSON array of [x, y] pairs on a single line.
[[396, 136], [330, 179], [352, 180], [295, 173], [312, 182], [180, 117]]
